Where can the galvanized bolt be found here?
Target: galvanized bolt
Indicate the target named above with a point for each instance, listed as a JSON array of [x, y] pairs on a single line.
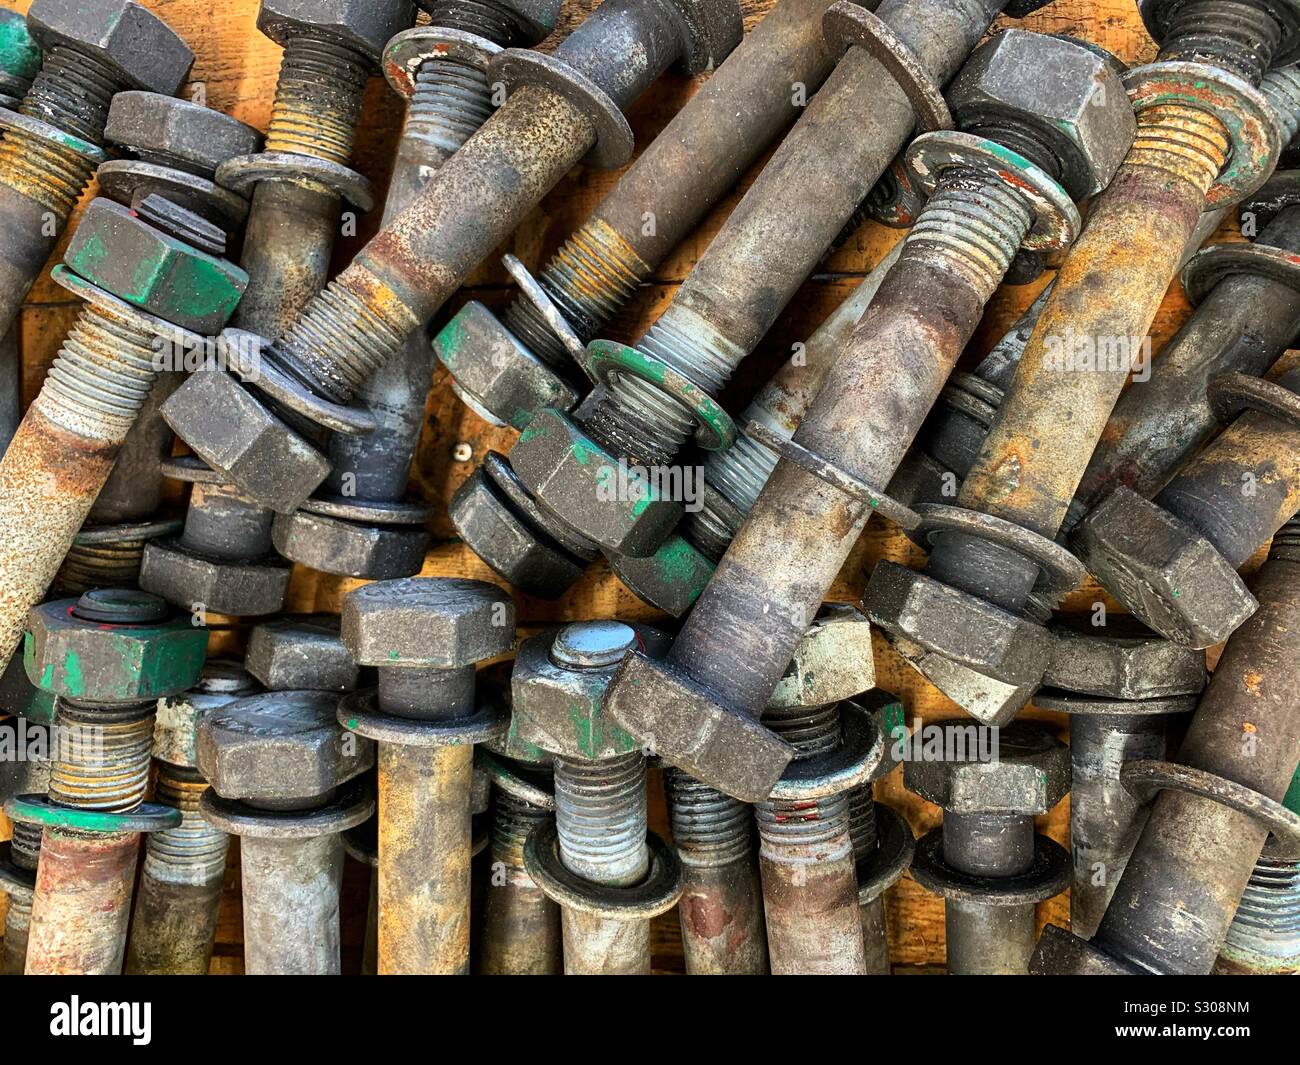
[[424, 636], [54, 140], [184, 867], [108, 656], [1213, 809]]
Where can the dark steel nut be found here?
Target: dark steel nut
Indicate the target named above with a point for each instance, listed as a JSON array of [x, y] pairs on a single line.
[[332, 545], [280, 746], [714, 28], [176, 726], [163, 276], [232, 432], [365, 25], [1164, 571], [670, 579], [439, 622], [145, 52], [574, 478], [301, 652], [984, 658], [1122, 660], [19, 697], [1066, 94], [1029, 774], [195, 136], [221, 586], [496, 370], [98, 662], [833, 661]]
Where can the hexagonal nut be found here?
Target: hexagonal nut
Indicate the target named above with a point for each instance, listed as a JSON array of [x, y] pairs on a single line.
[[301, 651], [219, 586], [20, 55], [984, 658], [439, 622], [176, 725], [714, 28], [833, 661], [1062, 94], [120, 252], [140, 47], [21, 698], [363, 24], [1121, 660], [580, 483], [670, 579], [112, 663], [280, 746], [1163, 570], [348, 548], [232, 431], [1023, 769], [149, 123], [496, 371], [560, 708]]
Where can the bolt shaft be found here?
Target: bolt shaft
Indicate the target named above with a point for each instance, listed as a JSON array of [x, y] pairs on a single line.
[[291, 905], [24, 851]]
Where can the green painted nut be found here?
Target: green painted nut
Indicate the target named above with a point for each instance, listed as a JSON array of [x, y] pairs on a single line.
[[671, 579], [833, 661], [558, 698], [163, 276], [113, 646], [21, 698], [20, 55]]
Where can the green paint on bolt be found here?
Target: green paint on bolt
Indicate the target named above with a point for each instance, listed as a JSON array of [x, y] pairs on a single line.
[[449, 342], [74, 682], [19, 54]]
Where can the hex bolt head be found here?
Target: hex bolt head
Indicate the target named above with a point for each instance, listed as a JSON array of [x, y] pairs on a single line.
[[301, 652], [1122, 660], [364, 25], [192, 135], [833, 661]]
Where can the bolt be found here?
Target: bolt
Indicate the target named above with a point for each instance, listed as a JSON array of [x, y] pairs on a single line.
[[18, 862], [300, 653], [108, 657], [744, 628], [53, 142], [985, 859], [1213, 809], [184, 867], [424, 635], [1205, 137], [285, 779], [1120, 685]]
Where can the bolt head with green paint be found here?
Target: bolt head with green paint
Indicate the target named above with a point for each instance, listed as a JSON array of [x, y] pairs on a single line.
[[75, 654], [161, 275], [20, 55]]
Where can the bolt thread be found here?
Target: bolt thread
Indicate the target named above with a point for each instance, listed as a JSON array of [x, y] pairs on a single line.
[[1267, 923], [101, 758], [73, 92], [809, 730], [340, 340], [318, 99], [1182, 141], [102, 374], [512, 819], [483, 18], [600, 818], [1281, 87], [862, 822], [590, 278], [25, 846], [708, 530], [114, 564], [1286, 542], [53, 175], [709, 828], [193, 852], [974, 223], [1022, 139], [1241, 36], [451, 100], [740, 471]]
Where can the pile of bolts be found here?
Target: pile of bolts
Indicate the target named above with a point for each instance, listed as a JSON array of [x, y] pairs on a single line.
[[417, 728]]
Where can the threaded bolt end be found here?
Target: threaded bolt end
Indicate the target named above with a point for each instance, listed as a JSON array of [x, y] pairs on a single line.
[[708, 530], [25, 846], [101, 759], [193, 852], [451, 101], [709, 828], [862, 822], [740, 471], [600, 818], [809, 730], [483, 18], [1267, 923], [51, 175], [1182, 141], [318, 99], [1281, 87], [1238, 35], [72, 92], [512, 819], [103, 565]]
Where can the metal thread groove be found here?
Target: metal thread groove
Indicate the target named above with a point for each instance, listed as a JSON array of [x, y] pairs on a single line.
[[1183, 141], [193, 852], [484, 18], [25, 846], [708, 530], [317, 99], [99, 763], [740, 471], [709, 828], [862, 822], [1237, 35], [451, 100], [53, 176], [811, 731], [1281, 87], [72, 92], [103, 565], [1267, 922], [600, 818], [512, 820]]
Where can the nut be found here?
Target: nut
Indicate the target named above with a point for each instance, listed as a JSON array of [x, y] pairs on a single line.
[[163, 276], [574, 478], [232, 432], [222, 586], [1162, 569], [176, 726], [21, 698], [20, 56], [145, 52], [496, 371], [439, 622], [670, 579], [364, 25], [280, 746], [559, 707], [714, 27], [1122, 660], [833, 661], [301, 652], [348, 548], [190, 135], [984, 658], [1028, 774], [77, 656], [1059, 93]]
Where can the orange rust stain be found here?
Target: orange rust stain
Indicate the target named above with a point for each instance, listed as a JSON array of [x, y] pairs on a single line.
[[1252, 680]]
